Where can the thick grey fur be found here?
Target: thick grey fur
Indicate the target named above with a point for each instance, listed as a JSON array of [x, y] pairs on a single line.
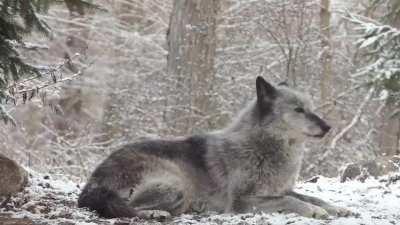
[[251, 165]]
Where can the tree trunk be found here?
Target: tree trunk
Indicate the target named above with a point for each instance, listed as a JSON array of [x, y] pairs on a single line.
[[390, 131], [390, 126], [191, 44], [326, 56]]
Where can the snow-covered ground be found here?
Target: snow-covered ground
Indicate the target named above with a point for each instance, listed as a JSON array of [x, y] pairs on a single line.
[[53, 201]]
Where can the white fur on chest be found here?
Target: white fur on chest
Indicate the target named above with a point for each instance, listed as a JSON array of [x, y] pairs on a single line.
[[277, 177], [269, 172]]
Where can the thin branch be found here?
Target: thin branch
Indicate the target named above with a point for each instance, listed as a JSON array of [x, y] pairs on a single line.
[[355, 119], [47, 72], [50, 83]]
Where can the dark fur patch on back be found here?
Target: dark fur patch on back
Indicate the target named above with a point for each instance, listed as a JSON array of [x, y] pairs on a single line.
[[192, 149], [197, 152]]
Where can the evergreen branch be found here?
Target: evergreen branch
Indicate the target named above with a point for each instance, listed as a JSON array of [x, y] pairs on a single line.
[[6, 117], [47, 71]]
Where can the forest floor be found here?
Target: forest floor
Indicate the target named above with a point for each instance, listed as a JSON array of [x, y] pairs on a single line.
[[50, 201]]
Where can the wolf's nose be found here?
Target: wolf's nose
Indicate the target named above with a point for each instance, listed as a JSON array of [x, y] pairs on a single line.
[[326, 128]]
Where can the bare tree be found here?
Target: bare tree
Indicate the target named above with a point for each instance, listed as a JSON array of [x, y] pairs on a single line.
[[191, 44], [326, 56]]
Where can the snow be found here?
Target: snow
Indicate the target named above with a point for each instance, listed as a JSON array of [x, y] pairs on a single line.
[[49, 200], [84, 223], [369, 41], [383, 95]]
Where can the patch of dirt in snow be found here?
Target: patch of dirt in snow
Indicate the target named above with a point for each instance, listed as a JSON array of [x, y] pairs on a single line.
[[54, 201]]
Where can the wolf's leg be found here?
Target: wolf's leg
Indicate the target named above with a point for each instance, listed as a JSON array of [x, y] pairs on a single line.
[[154, 214], [159, 198], [285, 204], [238, 186], [331, 209]]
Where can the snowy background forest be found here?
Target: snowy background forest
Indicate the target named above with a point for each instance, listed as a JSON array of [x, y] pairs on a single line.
[[80, 78]]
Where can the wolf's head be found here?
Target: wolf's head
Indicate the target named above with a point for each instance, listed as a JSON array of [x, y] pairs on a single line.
[[281, 108]]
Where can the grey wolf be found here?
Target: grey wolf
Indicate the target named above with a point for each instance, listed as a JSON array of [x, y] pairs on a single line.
[[251, 165]]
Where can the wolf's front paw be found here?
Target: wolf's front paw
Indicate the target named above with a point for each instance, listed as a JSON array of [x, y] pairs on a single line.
[[340, 211], [158, 215], [317, 213], [199, 206]]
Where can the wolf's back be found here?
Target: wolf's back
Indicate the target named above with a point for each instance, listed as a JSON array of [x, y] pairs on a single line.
[[105, 202]]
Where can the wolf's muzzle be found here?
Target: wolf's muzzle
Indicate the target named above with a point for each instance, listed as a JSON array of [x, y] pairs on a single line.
[[320, 123]]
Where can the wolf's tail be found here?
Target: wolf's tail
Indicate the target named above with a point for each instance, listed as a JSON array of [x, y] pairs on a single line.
[[105, 202]]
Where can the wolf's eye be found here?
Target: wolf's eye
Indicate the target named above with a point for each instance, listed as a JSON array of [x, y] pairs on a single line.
[[299, 110]]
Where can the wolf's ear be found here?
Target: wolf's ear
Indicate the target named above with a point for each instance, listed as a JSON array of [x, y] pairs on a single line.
[[265, 91]]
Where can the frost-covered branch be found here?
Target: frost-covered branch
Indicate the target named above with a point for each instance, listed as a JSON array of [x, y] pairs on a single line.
[[355, 119]]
